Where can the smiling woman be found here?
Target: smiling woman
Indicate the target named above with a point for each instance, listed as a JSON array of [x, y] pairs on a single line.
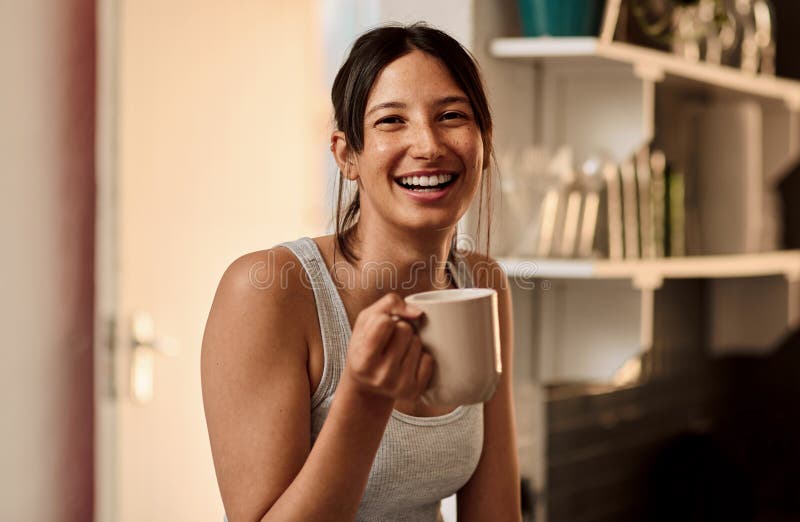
[[363, 105], [419, 124], [312, 389]]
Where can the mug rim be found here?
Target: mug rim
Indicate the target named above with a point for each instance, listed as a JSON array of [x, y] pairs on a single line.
[[447, 295]]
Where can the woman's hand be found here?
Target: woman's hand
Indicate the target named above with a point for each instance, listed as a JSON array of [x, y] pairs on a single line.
[[385, 355]]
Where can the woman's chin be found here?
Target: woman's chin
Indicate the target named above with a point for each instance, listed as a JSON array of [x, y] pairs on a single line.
[[432, 225]]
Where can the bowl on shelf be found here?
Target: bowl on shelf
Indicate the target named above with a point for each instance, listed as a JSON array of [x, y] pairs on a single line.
[[560, 17]]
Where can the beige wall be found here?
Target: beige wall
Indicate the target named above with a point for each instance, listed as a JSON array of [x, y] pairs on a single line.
[[225, 95], [220, 118], [46, 228], [230, 101]]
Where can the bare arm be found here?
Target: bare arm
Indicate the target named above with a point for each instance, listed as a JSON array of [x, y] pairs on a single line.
[[256, 395], [493, 491]]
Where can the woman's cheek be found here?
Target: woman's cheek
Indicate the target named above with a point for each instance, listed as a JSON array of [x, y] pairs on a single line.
[[383, 146], [476, 156], [471, 145]]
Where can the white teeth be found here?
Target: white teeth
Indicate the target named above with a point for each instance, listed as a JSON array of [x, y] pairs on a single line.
[[426, 181]]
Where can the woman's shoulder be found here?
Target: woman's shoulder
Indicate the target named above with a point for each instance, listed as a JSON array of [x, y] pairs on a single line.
[[262, 312], [273, 273], [270, 283]]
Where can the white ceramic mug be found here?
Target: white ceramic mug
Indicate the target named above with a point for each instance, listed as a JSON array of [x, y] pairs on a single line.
[[461, 330]]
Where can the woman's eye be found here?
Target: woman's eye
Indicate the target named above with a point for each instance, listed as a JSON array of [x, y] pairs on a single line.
[[452, 115], [390, 120]]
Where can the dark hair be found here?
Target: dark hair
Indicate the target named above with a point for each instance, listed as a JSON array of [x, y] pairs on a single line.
[[370, 53]]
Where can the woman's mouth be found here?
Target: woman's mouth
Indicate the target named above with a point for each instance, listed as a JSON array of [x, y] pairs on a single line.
[[426, 183]]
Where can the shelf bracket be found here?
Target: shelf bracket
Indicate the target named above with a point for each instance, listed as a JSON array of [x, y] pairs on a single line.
[[792, 276], [792, 102], [793, 105], [647, 282], [647, 319], [649, 75], [648, 72], [792, 298]]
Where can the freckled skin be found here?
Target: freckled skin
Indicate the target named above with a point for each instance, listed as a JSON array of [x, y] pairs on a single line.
[[420, 133]]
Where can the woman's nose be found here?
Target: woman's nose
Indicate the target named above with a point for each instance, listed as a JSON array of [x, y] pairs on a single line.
[[425, 143]]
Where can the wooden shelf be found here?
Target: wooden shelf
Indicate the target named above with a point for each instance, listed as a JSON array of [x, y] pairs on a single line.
[[649, 273], [650, 64], [544, 47]]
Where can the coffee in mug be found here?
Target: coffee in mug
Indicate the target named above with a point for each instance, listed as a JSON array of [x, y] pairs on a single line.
[[460, 328]]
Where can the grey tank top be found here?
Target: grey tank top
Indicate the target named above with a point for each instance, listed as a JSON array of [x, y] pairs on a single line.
[[421, 460]]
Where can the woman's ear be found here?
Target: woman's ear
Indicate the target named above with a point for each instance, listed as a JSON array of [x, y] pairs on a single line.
[[345, 159]]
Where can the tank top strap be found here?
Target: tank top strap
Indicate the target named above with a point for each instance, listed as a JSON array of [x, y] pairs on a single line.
[[460, 270], [333, 323]]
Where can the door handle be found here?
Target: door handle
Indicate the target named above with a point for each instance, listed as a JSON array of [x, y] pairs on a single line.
[[146, 345]]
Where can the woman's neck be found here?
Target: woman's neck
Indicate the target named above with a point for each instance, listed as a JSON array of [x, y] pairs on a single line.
[[404, 262]]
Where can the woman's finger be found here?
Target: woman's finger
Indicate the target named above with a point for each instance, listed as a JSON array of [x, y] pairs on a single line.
[[408, 367], [395, 348], [377, 332], [380, 343], [393, 304], [425, 370]]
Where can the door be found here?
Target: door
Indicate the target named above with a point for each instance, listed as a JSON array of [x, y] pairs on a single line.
[[212, 121]]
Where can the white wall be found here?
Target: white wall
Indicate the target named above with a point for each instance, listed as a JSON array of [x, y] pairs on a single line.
[[46, 213], [452, 16]]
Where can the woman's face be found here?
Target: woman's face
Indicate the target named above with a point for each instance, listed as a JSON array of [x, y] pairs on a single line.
[[422, 160]]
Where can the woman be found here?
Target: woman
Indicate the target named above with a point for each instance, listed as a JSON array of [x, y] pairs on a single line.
[[414, 134]]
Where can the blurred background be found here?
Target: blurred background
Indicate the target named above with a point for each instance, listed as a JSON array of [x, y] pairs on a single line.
[[648, 153]]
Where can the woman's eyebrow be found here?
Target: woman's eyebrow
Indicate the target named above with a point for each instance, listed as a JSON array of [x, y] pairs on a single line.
[[386, 105], [453, 99]]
